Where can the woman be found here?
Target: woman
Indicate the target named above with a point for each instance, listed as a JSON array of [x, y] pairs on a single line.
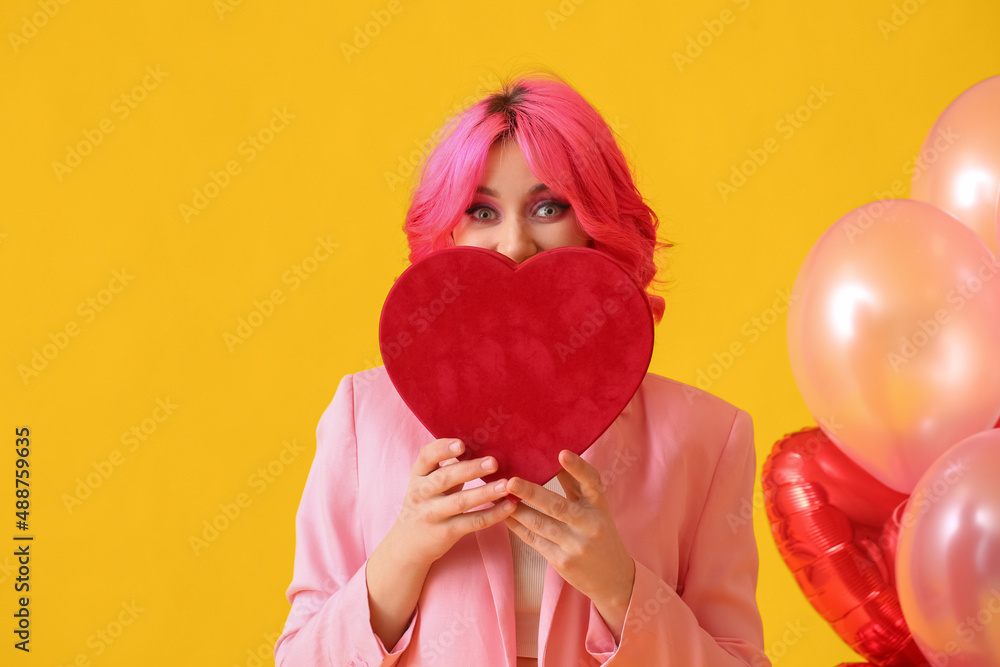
[[633, 555]]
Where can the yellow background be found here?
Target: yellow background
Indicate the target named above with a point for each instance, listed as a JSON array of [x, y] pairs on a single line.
[[339, 169]]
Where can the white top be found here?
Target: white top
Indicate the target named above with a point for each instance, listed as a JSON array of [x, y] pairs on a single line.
[[529, 579]]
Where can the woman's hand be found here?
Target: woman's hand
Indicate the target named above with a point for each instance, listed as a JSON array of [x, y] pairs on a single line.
[[578, 537], [435, 512], [435, 515]]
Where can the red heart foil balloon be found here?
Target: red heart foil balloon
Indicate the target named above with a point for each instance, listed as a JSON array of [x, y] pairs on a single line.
[[522, 360], [833, 524]]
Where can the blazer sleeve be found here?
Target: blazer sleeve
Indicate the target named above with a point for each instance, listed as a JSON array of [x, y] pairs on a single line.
[[714, 621], [329, 622]]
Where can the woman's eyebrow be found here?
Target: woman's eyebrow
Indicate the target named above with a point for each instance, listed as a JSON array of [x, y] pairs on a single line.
[[490, 192]]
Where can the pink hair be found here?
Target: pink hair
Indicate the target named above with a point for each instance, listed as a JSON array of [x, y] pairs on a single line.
[[567, 145]]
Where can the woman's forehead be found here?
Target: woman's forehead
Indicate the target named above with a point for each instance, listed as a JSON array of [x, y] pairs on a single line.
[[506, 169]]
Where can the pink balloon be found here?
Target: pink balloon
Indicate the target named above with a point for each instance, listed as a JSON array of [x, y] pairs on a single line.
[[894, 336], [958, 167], [948, 556]]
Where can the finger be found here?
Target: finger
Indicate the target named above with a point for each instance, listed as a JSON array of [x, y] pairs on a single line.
[[591, 488], [433, 453], [470, 522], [570, 486], [463, 501], [549, 502], [448, 462], [539, 543], [541, 526], [455, 475]]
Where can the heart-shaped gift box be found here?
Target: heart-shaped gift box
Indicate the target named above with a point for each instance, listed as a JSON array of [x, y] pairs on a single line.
[[521, 360]]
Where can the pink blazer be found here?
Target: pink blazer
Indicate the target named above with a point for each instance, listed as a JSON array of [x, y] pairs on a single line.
[[678, 467]]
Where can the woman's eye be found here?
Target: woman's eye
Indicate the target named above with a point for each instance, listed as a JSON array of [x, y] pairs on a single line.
[[480, 213], [551, 209]]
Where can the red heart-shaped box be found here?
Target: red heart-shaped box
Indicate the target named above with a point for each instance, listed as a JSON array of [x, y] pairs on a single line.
[[521, 360]]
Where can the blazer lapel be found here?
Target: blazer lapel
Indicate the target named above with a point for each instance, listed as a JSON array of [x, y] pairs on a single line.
[[494, 545], [602, 454]]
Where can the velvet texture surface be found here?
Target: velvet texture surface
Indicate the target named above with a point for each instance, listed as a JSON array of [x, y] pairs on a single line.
[[521, 360]]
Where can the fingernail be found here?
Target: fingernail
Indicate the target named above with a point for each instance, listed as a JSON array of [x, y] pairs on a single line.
[[501, 486], [489, 464], [456, 446], [508, 506]]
